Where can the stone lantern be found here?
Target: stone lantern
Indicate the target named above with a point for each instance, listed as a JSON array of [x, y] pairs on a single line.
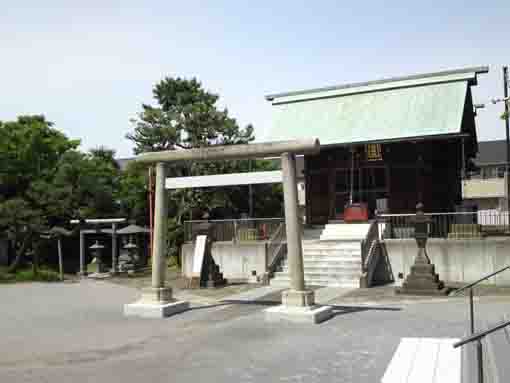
[[132, 251], [421, 235], [97, 250], [422, 280], [136, 249]]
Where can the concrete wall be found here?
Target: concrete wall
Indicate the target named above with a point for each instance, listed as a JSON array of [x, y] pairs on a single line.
[[483, 188], [456, 260], [236, 261]]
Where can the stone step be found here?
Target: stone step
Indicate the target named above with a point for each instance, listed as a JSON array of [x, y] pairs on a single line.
[[336, 275], [330, 256], [332, 246], [331, 253], [312, 234], [325, 237], [345, 231], [332, 243], [314, 261], [285, 282], [314, 227], [327, 262], [328, 269]]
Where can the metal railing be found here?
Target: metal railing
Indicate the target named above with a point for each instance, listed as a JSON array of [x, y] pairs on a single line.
[[453, 225], [481, 334], [276, 247], [477, 336], [368, 244], [369, 254], [236, 230]]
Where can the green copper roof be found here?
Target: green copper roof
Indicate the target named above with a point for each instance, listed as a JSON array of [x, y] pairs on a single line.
[[413, 106]]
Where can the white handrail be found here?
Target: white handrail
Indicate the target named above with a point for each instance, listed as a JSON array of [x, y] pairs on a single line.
[[449, 213], [234, 219]]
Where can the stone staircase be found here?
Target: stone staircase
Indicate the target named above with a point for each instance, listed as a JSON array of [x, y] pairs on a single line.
[[326, 263], [331, 257], [345, 232]]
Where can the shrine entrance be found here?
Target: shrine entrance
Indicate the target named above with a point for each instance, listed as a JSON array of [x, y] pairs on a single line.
[[354, 175]]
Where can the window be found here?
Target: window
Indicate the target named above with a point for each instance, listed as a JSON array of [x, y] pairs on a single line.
[[489, 172]]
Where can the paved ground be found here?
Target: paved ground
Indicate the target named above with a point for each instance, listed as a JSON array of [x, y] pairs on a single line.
[[178, 283], [76, 333]]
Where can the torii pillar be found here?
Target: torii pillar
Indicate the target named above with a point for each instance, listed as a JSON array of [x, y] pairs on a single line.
[[297, 303], [157, 301]]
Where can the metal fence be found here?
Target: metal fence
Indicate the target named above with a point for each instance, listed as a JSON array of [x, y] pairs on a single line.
[[236, 230], [455, 225]]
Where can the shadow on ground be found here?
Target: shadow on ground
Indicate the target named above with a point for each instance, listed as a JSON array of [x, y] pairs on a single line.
[[337, 309]]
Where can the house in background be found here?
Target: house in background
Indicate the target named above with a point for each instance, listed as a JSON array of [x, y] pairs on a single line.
[[485, 187]]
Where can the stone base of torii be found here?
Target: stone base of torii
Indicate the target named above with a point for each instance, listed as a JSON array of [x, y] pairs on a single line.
[[298, 303]]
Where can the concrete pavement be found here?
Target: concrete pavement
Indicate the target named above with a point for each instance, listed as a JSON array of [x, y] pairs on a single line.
[[77, 333]]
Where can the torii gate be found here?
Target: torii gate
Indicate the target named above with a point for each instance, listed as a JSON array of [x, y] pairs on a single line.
[[297, 303]]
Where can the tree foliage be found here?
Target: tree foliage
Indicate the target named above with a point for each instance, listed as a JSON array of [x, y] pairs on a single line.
[[133, 193], [186, 116], [46, 181]]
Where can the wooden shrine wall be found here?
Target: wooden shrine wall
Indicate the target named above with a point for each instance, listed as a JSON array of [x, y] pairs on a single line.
[[392, 171]]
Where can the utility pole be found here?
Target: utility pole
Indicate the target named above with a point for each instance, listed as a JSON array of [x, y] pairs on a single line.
[[505, 95], [250, 192]]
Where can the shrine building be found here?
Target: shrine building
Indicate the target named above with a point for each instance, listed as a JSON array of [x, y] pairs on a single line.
[[387, 144]]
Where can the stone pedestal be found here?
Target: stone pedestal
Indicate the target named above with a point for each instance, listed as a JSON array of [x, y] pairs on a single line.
[[155, 303], [306, 314], [298, 298], [422, 280], [299, 307], [212, 277]]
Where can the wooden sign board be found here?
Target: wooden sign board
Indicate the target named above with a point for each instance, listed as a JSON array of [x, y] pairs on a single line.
[[198, 256]]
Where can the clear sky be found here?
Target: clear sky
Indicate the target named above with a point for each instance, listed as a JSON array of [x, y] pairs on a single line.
[[89, 67]]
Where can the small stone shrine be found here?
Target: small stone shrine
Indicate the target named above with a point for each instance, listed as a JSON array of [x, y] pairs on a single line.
[[422, 280]]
